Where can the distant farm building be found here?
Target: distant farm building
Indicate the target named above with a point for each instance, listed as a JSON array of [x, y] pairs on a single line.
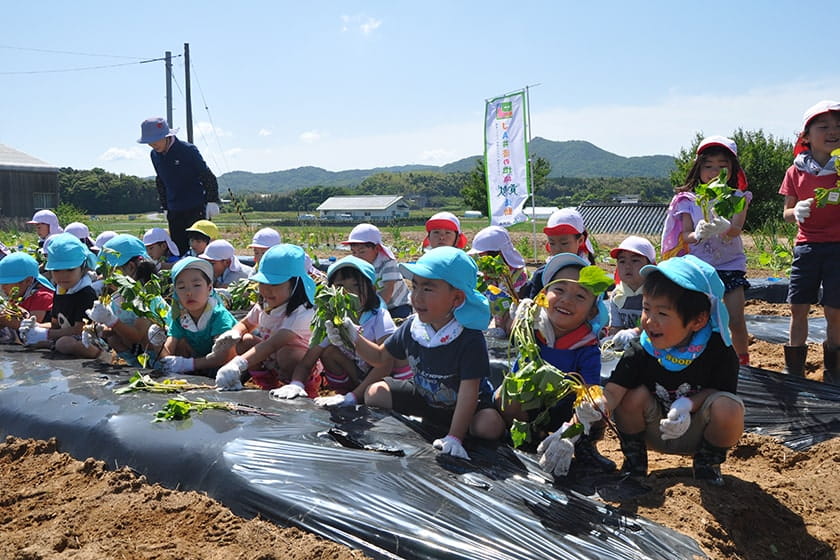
[[363, 208], [27, 184]]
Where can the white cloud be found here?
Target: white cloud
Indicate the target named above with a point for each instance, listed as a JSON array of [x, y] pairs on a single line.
[[365, 24], [118, 154], [310, 137], [264, 132], [207, 130]]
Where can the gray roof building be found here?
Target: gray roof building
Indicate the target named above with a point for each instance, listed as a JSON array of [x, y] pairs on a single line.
[[639, 218], [364, 208], [27, 184]]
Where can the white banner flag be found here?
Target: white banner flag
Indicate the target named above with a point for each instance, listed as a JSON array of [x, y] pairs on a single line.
[[506, 159]]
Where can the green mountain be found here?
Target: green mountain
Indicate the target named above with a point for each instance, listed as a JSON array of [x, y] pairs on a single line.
[[573, 158]]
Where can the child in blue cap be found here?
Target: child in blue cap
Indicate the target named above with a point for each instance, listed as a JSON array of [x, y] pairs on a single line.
[[121, 329], [674, 389], [68, 261], [197, 317], [21, 281], [445, 348], [344, 371], [273, 338]]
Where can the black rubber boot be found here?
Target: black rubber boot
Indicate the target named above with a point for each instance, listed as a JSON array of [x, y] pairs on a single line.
[[707, 463], [831, 359], [634, 448], [587, 455], [795, 360]]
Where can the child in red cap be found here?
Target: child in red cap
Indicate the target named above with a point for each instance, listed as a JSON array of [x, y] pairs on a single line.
[[444, 230]]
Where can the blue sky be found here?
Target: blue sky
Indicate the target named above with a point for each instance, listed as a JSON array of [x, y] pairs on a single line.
[[344, 85]]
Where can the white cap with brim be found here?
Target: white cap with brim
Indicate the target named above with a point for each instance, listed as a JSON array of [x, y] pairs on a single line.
[[222, 250], [457, 269], [497, 238], [46, 217], [158, 235]]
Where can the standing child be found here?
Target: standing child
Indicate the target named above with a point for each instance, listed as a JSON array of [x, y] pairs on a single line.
[[69, 261], [444, 230], [565, 233], [817, 252], [160, 248], [675, 389], [196, 318], [226, 266], [344, 371], [274, 337], [365, 242], [567, 336], [445, 348], [20, 280], [495, 241], [717, 242], [626, 298]]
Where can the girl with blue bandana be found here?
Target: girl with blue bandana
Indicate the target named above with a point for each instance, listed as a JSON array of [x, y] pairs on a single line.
[[674, 390]]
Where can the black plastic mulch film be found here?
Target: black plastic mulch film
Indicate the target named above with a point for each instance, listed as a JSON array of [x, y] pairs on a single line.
[[366, 478]]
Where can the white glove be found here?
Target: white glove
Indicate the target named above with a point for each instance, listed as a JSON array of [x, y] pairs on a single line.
[[337, 400], [334, 334], [290, 391], [588, 413], [225, 340], [156, 335], [622, 339], [705, 230], [678, 420], [543, 325], [101, 313], [228, 376], [211, 209], [802, 209], [176, 364], [98, 286], [556, 452], [451, 446], [30, 332], [516, 307]]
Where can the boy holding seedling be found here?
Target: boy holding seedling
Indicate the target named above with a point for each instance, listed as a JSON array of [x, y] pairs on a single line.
[[445, 348], [674, 390]]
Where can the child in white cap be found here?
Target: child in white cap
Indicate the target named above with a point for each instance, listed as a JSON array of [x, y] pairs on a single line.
[[160, 248], [46, 224], [81, 231], [263, 240], [565, 233], [102, 239], [446, 349], [365, 242], [444, 230], [495, 241], [227, 268], [817, 249], [718, 240], [626, 298]]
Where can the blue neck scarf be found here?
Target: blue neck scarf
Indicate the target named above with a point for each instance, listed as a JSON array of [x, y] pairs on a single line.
[[679, 358]]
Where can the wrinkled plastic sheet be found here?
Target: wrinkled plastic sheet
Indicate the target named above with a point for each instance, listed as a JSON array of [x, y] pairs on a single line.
[[365, 478], [775, 329]]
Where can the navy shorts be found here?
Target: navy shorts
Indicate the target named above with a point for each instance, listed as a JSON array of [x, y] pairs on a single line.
[[815, 264], [733, 279], [406, 399]]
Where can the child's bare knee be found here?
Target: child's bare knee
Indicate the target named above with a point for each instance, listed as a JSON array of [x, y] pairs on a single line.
[[378, 394]]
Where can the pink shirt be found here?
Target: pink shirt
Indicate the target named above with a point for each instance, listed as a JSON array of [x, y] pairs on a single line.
[[823, 225]]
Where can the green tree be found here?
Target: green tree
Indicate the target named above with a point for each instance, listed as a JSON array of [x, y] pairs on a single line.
[[764, 159], [474, 189]]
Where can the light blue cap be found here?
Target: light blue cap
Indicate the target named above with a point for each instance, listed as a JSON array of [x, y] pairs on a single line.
[[456, 268], [65, 251], [353, 262], [283, 262], [18, 266], [122, 248], [696, 275]]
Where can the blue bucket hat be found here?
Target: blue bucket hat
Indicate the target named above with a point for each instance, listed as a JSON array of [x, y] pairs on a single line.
[[353, 262], [154, 129], [18, 266], [696, 275], [122, 248], [456, 268], [66, 251], [282, 262]]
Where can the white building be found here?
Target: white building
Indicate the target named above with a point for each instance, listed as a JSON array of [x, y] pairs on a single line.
[[363, 208]]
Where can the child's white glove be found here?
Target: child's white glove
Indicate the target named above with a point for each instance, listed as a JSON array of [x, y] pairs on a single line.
[[337, 400], [705, 230], [802, 209], [542, 324], [211, 210], [517, 307], [291, 390], [228, 378], [623, 338], [225, 341], [176, 364], [334, 333], [678, 419], [451, 446], [556, 452], [588, 413], [101, 313], [31, 333], [156, 335]]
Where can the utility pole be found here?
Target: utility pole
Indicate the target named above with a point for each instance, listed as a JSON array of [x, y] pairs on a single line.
[[187, 92], [169, 88]]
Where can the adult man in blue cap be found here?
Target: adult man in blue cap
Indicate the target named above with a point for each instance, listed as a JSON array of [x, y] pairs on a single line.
[[187, 189]]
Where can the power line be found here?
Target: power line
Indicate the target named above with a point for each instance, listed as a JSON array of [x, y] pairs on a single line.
[[9, 47], [79, 69]]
